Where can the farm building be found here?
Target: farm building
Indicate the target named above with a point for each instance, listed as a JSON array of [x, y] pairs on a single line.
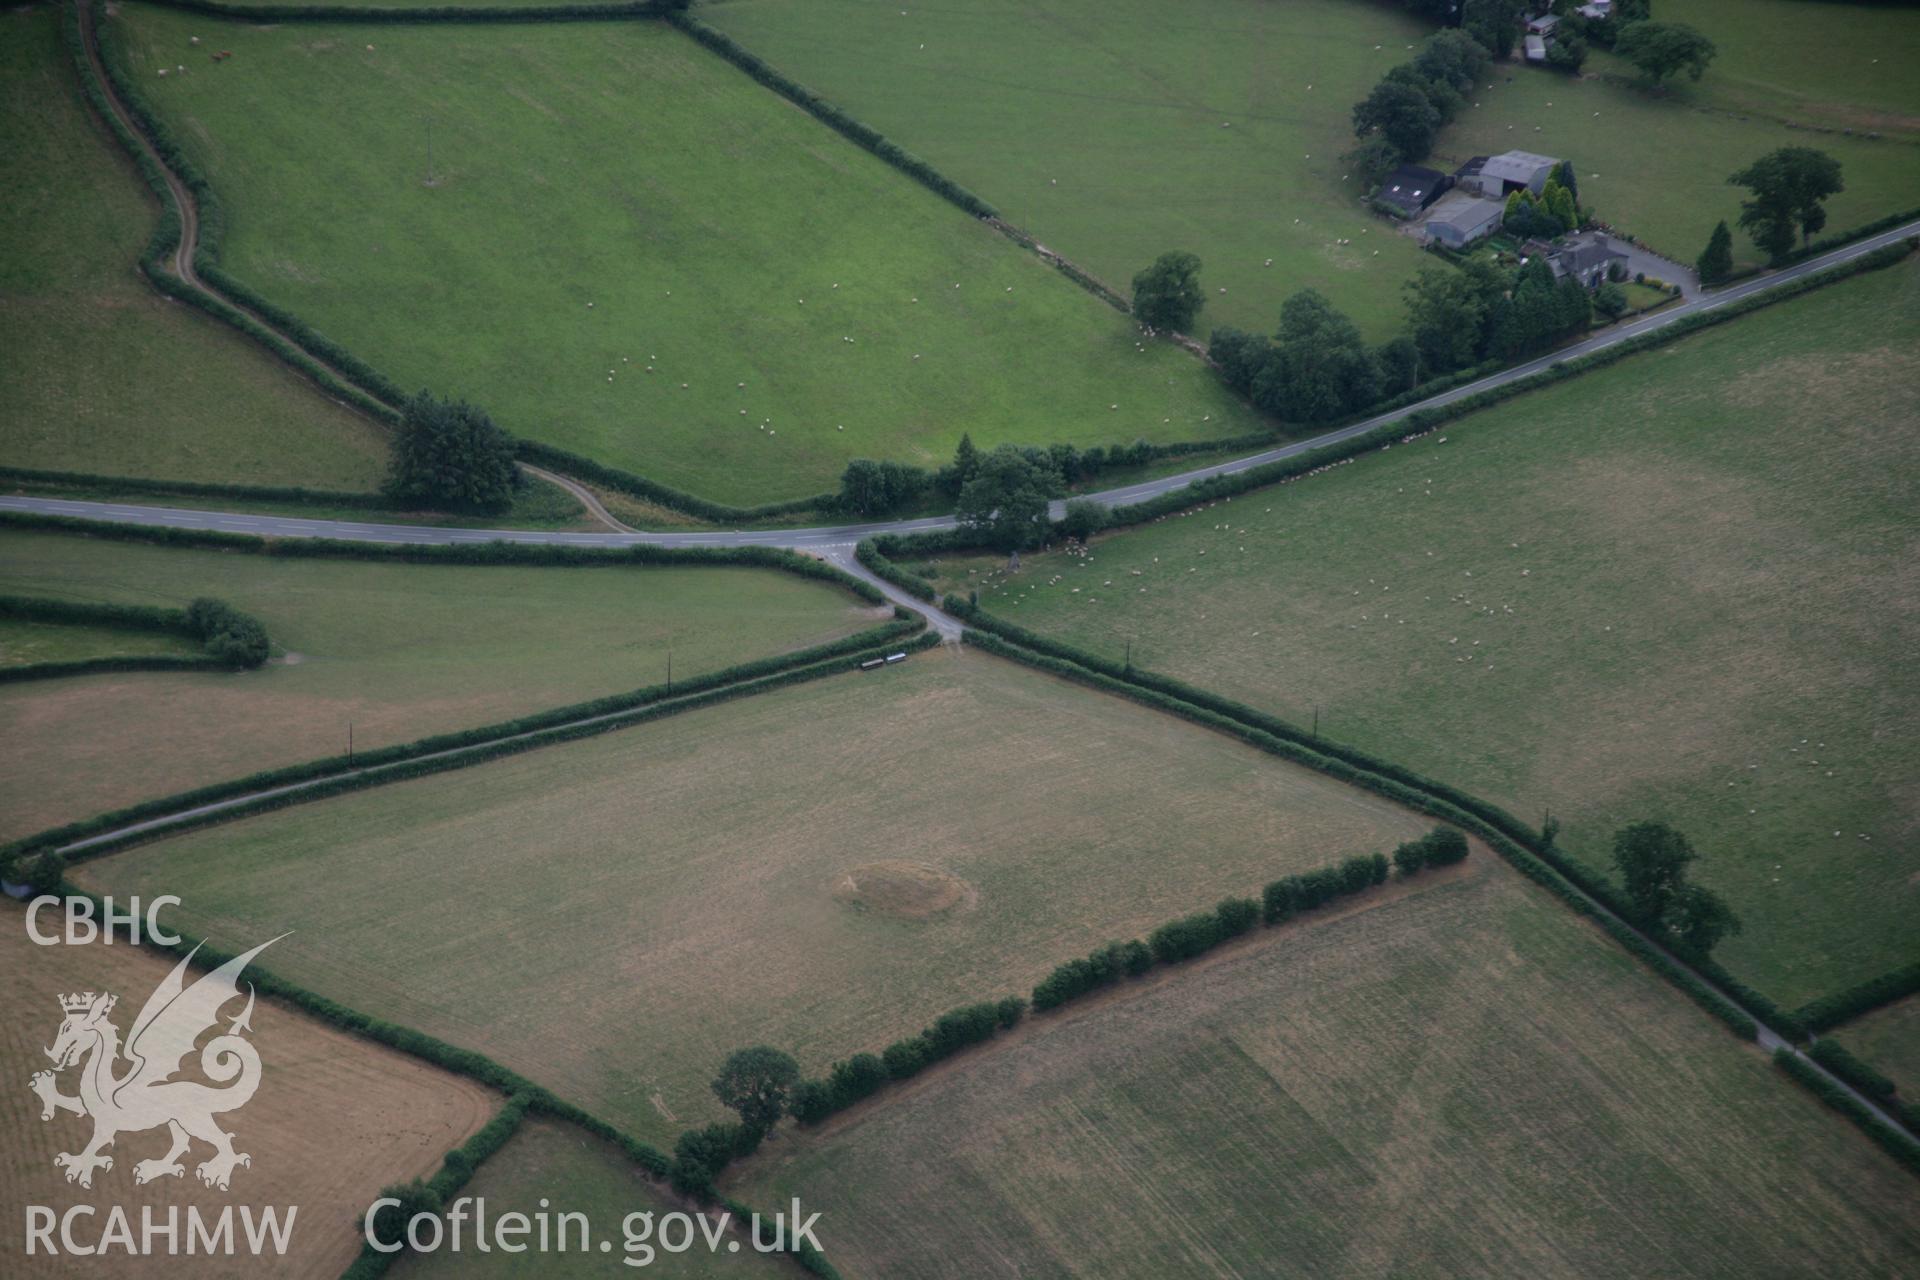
[[1510, 171], [1543, 25], [1536, 47], [1461, 218], [1596, 9], [1586, 258], [1411, 188]]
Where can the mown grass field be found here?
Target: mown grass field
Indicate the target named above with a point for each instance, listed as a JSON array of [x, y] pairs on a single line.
[[1889, 1039], [102, 374], [614, 916], [570, 1172], [1463, 1081], [1096, 125], [1654, 164], [397, 651], [26, 643], [334, 1120], [1844, 66], [1684, 587], [609, 198]]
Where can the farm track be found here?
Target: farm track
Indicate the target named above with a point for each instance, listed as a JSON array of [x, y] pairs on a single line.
[[831, 543]]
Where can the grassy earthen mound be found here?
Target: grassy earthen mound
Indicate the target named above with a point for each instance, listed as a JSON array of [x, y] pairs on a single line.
[[904, 890]]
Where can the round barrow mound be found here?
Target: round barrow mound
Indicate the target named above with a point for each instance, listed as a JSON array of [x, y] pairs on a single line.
[[904, 890]]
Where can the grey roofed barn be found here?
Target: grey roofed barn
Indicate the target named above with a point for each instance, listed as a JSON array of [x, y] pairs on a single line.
[[1460, 219], [1511, 170]]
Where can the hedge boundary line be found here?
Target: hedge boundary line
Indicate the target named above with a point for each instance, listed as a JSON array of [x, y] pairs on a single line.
[[420, 14], [1421, 421], [1169, 945], [124, 617], [1843, 1006], [336, 370], [867, 552], [496, 552], [1523, 859], [523, 1095], [855, 131], [196, 488], [1488, 815], [336, 775], [165, 238], [1904, 1150], [639, 486]]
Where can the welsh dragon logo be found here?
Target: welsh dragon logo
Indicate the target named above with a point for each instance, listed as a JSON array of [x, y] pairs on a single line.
[[145, 1095]]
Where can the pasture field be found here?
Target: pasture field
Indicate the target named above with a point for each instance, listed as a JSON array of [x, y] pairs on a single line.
[[1684, 587], [1462, 1081], [824, 868], [102, 374], [1654, 164], [1889, 1039], [573, 1172], [335, 1119], [398, 651], [609, 198], [1096, 125], [1839, 66], [28, 643]]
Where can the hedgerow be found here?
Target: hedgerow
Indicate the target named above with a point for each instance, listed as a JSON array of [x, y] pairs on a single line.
[[335, 775], [868, 553], [233, 639], [639, 486], [193, 488], [437, 13], [1843, 1006], [1524, 851], [1835, 1057], [496, 552], [833, 117], [1900, 1146]]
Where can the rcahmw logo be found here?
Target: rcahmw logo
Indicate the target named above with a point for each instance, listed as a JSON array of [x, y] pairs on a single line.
[[135, 1087]]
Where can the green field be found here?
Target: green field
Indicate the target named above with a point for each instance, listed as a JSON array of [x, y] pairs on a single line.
[[724, 239], [1462, 1082], [397, 651], [558, 1166], [1836, 65], [1682, 587], [27, 643], [614, 916], [1096, 125], [1889, 1040], [1655, 164], [102, 374]]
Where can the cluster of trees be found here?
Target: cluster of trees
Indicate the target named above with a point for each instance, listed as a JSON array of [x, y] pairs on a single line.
[[1788, 187], [235, 638], [1554, 212], [1653, 859], [869, 488], [1662, 49], [1397, 122], [449, 455], [1316, 367], [1458, 318]]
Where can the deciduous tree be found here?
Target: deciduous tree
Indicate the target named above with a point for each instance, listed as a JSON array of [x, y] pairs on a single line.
[[1662, 49], [755, 1083], [1788, 188], [1167, 295]]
